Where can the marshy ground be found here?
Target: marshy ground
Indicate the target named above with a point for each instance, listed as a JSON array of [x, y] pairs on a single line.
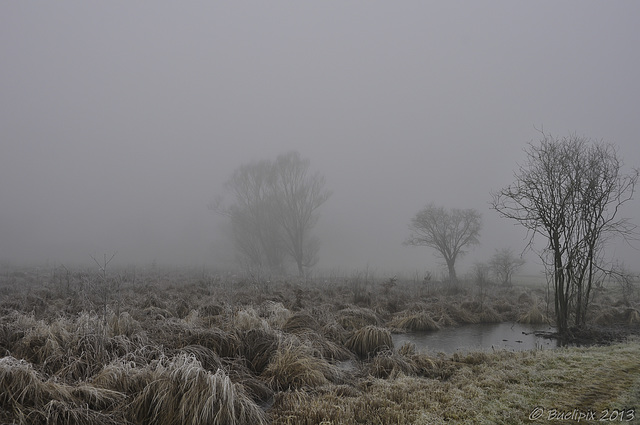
[[183, 346]]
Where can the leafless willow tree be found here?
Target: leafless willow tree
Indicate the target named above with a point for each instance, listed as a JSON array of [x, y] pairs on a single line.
[[569, 192], [274, 211], [449, 232]]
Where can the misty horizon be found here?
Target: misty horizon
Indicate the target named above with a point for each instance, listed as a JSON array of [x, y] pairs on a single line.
[[121, 122]]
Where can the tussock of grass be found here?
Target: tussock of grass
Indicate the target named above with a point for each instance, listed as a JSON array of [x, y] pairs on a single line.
[[294, 366], [224, 344], [489, 315], [124, 324], [124, 376], [248, 318], [182, 392], [206, 356], [258, 345], [356, 318], [387, 363], [327, 348], [25, 393], [210, 310], [369, 340], [407, 349], [415, 322], [301, 322], [276, 313]]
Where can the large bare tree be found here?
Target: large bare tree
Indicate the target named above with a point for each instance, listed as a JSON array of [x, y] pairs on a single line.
[[569, 192], [449, 232], [274, 211]]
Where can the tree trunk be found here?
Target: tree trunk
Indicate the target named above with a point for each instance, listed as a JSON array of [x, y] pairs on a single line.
[[452, 271]]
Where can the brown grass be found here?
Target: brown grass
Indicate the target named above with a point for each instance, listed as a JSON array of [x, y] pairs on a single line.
[[219, 351], [258, 346], [415, 322], [294, 366], [25, 393], [389, 364], [301, 322], [182, 391], [369, 340], [356, 318], [489, 315]]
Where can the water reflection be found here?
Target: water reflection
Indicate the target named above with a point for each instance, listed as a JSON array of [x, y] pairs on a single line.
[[483, 336]]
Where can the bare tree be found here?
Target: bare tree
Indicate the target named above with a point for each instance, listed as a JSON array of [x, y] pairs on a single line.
[[449, 232], [299, 194], [569, 192], [504, 264], [255, 226], [274, 212]]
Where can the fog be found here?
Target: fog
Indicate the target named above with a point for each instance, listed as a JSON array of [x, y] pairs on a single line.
[[120, 121]]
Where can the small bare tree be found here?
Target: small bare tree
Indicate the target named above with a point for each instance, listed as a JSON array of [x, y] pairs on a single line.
[[504, 264], [449, 232], [569, 192]]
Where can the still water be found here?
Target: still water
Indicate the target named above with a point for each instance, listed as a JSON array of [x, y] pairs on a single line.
[[483, 336]]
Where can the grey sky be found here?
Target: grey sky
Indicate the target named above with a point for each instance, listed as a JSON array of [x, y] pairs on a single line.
[[121, 120]]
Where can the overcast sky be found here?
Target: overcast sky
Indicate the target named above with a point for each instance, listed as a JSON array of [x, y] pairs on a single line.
[[120, 121]]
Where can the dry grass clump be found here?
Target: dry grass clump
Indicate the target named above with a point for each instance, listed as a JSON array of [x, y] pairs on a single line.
[[327, 348], [248, 318], [224, 344], [414, 322], [123, 324], [127, 377], [209, 310], [294, 366], [369, 340], [301, 322], [533, 316], [356, 318], [183, 392], [388, 364], [428, 367], [489, 315], [25, 394], [258, 345], [276, 313], [206, 356]]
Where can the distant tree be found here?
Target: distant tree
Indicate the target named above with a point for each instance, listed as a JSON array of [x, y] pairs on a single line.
[[504, 264], [449, 232], [569, 192], [481, 278], [274, 211], [298, 195]]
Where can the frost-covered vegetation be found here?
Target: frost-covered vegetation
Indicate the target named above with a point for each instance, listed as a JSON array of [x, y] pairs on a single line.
[[184, 346]]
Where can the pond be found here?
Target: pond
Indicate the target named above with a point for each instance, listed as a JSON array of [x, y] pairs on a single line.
[[483, 336]]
